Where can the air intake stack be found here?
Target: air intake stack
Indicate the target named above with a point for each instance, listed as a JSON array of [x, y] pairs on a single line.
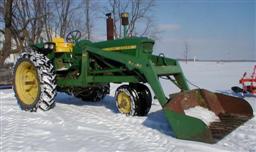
[[125, 22]]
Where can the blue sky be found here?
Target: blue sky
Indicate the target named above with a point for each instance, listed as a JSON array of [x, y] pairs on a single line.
[[224, 29], [213, 29]]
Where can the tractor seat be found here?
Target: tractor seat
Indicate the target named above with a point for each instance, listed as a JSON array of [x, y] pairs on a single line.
[[62, 46]]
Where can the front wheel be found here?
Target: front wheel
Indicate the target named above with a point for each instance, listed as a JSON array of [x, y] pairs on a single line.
[[133, 99], [34, 82]]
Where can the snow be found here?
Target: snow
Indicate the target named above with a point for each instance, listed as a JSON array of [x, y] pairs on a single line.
[[74, 125], [206, 115]]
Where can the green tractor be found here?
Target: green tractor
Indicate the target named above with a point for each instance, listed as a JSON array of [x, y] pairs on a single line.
[[85, 69]]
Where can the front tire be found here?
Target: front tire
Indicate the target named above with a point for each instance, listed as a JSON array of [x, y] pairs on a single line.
[[34, 82], [133, 99], [145, 98]]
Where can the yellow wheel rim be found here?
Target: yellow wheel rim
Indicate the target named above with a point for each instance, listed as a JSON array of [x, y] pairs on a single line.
[[26, 82], [124, 102]]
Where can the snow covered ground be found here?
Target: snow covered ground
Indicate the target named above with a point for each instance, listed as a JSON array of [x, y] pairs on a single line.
[[74, 125]]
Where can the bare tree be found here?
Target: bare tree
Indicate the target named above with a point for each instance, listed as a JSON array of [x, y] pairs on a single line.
[[115, 9], [48, 29], [63, 10], [186, 51], [62, 17], [91, 9], [1, 11], [65, 13], [23, 24], [27, 25], [28, 21], [7, 46], [87, 23], [141, 22]]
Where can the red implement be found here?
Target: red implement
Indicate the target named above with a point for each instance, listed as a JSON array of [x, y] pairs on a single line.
[[249, 82]]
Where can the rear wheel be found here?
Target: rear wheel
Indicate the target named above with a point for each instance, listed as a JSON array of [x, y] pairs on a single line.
[[34, 82], [134, 99]]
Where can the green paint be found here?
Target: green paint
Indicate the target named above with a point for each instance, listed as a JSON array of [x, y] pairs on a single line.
[[127, 60], [188, 128]]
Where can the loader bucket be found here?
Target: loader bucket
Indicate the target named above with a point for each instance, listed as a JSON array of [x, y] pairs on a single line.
[[231, 111]]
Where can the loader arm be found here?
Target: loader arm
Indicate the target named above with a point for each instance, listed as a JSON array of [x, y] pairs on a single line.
[[184, 127], [152, 67], [147, 66]]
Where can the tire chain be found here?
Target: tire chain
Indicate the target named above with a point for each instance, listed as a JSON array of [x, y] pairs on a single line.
[[47, 78]]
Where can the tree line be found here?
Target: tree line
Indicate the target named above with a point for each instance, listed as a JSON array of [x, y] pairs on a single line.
[[25, 22]]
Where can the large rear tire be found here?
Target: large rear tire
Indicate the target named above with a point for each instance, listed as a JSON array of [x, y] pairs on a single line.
[[34, 82]]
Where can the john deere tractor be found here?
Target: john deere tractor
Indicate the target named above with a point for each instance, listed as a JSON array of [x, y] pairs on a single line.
[[85, 69]]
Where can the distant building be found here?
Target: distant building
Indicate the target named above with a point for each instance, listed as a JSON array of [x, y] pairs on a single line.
[[12, 57]]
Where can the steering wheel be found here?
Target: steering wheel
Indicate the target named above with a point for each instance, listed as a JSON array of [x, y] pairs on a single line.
[[73, 36]]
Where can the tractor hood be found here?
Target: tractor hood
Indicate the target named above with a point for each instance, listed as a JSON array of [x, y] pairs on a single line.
[[131, 46]]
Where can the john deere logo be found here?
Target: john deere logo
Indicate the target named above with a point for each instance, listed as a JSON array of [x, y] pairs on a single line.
[[118, 48]]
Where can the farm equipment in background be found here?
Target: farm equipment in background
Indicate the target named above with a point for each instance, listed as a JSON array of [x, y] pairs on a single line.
[[85, 69], [248, 83]]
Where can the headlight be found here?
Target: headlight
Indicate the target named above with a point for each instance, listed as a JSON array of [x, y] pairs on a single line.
[[46, 46], [51, 46]]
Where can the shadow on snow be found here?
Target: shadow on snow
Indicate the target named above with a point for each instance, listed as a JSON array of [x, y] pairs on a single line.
[[108, 101], [154, 120]]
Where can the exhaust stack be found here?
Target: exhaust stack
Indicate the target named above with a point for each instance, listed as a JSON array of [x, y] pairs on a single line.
[[110, 27]]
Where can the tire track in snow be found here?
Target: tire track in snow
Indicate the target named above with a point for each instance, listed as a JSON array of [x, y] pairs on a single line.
[[69, 127], [129, 131], [17, 126], [13, 133], [126, 133], [244, 134]]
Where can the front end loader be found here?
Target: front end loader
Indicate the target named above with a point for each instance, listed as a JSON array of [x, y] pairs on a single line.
[[85, 69]]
